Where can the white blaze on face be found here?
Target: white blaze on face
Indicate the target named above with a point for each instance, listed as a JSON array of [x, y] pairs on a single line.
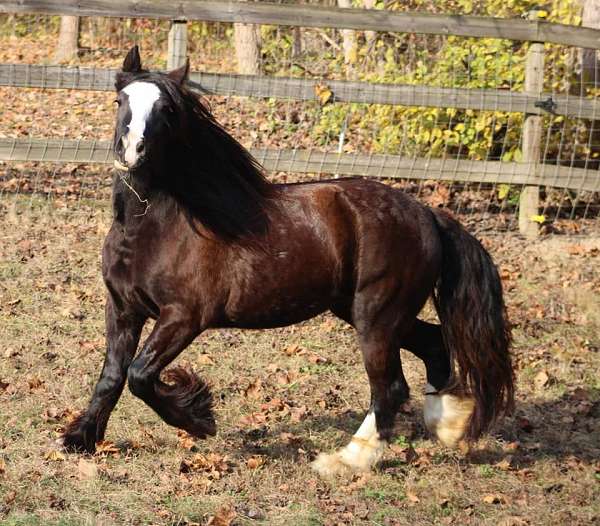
[[142, 96]]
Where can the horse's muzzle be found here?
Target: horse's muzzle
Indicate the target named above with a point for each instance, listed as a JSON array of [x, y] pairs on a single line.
[[120, 166]]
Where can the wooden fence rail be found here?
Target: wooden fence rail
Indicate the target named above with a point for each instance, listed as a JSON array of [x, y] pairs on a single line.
[[61, 77], [532, 102], [310, 161], [313, 16]]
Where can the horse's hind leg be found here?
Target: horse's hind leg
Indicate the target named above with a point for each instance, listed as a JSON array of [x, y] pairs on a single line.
[[446, 415], [122, 337], [424, 340], [388, 391], [185, 400]]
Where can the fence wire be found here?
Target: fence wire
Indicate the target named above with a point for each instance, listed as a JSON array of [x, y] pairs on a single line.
[[447, 125]]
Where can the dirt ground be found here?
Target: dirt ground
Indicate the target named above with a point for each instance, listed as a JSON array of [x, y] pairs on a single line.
[[282, 396]]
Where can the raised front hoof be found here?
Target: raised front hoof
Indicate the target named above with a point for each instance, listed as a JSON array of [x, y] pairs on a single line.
[[202, 428], [447, 417], [189, 402]]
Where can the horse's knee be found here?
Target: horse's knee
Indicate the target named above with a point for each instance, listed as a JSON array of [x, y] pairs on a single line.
[[140, 383]]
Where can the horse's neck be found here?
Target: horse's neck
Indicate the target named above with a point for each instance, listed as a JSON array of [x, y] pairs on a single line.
[[133, 199]]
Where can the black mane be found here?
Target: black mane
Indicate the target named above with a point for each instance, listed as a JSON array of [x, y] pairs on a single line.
[[211, 176]]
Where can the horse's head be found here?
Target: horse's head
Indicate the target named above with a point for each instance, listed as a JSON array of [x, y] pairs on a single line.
[[148, 103]]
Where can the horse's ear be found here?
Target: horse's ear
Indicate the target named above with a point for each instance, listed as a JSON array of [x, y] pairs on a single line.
[[132, 62], [180, 75]]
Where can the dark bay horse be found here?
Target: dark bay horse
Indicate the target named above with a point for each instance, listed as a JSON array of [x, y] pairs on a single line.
[[201, 239]]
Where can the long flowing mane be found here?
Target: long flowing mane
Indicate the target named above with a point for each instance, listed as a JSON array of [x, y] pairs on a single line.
[[211, 176]]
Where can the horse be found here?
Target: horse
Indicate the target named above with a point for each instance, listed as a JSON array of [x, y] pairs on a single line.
[[202, 239]]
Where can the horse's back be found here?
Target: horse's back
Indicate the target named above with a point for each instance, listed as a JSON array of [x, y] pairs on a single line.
[[386, 243]]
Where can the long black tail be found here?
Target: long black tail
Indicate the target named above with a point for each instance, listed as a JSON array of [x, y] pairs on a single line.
[[469, 303]]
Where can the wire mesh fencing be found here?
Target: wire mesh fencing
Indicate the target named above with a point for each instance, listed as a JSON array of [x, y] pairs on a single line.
[[440, 117]]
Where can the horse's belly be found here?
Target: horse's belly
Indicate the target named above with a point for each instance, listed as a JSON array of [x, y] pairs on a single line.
[[282, 299], [276, 316]]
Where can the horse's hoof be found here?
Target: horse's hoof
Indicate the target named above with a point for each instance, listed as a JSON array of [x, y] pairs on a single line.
[[75, 443], [329, 465], [447, 417], [79, 438]]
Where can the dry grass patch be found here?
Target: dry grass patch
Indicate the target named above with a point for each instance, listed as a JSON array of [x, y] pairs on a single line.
[[282, 396]]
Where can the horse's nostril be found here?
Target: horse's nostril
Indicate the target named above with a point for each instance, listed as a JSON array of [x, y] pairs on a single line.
[[140, 147]]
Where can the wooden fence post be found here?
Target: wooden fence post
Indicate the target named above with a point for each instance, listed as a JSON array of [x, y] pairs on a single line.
[[177, 50], [532, 140]]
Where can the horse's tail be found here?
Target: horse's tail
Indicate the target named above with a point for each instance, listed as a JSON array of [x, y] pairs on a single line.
[[475, 328]]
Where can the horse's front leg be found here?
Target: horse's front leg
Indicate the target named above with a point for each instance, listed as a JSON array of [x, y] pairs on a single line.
[[122, 337], [180, 398]]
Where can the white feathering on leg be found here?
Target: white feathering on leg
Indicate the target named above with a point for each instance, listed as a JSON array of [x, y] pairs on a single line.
[[361, 454], [446, 415]]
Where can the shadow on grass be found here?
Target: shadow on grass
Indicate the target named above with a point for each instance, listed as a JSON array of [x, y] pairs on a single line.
[[566, 427]]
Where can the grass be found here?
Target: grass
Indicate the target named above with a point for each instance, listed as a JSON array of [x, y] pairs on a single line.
[[256, 471]]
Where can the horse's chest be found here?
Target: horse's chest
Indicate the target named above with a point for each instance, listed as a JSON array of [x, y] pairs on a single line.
[[120, 266]]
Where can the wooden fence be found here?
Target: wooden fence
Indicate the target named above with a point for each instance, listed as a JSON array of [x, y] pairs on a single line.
[[532, 102]]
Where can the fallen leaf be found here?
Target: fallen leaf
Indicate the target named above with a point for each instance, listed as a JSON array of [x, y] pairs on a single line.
[[283, 378], [86, 470], [298, 413], [525, 425], [106, 447], [205, 359], [513, 520], [503, 190], [512, 446], [412, 497], [254, 389], [186, 441], [439, 197], [288, 438], [54, 455], [255, 462], [316, 359], [505, 464], [494, 499], [323, 93], [57, 503], [404, 453], [34, 382], [10, 497], [2, 467], [223, 517], [538, 218], [541, 379], [294, 350], [213, 465]]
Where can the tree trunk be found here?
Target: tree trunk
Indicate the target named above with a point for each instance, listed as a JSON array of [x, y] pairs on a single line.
[[349, 43], [590, 78], [589, 57], [370, 36], [247, 48], [68, 39], [297, 43]]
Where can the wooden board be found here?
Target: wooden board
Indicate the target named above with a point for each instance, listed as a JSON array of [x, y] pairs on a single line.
[[315, 162], [313, 16], [61, 77]]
